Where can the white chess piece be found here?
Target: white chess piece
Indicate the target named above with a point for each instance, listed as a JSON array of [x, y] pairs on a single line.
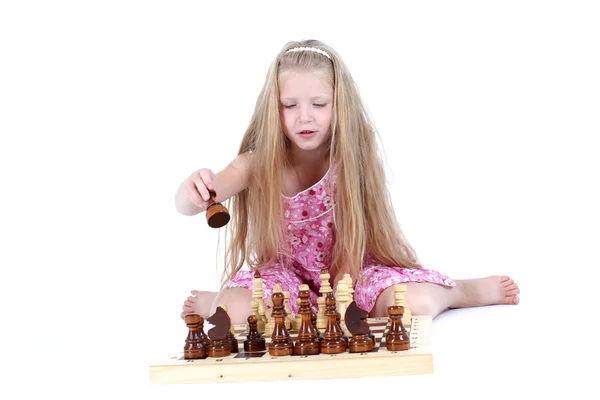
[[399, 293]]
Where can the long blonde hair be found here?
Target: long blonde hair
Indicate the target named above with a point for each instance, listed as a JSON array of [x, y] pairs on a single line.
[[364, 218]]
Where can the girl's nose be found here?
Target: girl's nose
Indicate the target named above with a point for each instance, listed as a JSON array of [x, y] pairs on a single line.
[[305, 115]]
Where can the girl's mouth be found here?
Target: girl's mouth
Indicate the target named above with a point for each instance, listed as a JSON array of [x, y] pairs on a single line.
[[307, 134]]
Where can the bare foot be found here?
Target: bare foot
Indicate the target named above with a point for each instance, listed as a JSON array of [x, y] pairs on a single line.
[[199, 303], [486, 291]]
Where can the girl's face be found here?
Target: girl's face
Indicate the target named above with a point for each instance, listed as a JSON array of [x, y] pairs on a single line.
[[306, 99]]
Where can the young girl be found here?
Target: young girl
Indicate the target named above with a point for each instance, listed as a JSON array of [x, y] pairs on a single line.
[[308, 192]]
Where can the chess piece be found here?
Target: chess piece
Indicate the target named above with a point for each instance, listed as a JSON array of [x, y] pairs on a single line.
[[399, 293], [281, 343], [325, 285], [233, 344], [356, 321], [338, 321], [254, 340], [219, 345], [308, 341], [348, 280], [297, 322], [194, 344], [217, 214], [254, 308], [396, 338], [332, 342], [342, 299], [270, 325], [257, 295], [321, 318], [288, 318], [313, 319], [324, 290]]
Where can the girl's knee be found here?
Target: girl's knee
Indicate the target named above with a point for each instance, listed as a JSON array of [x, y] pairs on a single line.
[[418, 301]]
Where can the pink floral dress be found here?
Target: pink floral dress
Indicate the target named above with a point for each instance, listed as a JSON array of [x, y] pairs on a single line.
[[309, 218]]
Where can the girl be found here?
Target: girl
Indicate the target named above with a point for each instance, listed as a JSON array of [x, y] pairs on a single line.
[[302, 190]]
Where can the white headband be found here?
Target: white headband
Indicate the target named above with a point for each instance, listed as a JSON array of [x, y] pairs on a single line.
[[313, 49]]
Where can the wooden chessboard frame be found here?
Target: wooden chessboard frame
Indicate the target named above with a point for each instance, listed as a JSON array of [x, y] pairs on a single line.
[[246, 367]]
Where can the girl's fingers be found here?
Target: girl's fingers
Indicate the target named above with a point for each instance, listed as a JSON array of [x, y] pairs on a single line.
[[207, 177], [201, 187], [193, 193]]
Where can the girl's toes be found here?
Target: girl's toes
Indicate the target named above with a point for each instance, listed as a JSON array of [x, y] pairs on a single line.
[[513, 292]]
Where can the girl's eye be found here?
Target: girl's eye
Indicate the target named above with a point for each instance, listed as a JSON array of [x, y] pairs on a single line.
[[293, 105]]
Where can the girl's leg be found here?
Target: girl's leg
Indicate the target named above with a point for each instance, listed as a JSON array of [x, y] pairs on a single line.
[[200, 302], [432, 299], [237, 300], [205, 304]]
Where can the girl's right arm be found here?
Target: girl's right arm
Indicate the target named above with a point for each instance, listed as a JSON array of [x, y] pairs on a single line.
[[192, 195]]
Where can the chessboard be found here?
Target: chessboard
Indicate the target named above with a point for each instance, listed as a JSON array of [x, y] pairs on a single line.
[[261, 366]]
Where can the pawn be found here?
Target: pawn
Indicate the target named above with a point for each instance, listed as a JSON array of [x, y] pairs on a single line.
[[203, 336], [338, 320], [396, 339], [332, 342], [254, 340], [233, 343], [194, 344], [217, 214]]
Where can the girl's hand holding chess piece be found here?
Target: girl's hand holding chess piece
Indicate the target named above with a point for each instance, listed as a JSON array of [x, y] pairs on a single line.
[[193, 195]]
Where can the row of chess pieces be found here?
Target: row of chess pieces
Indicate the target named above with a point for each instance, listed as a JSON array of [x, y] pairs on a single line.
[[355, 338], [344, 295]]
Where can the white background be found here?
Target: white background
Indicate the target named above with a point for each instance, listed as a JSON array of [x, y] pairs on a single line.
[[489, 114]]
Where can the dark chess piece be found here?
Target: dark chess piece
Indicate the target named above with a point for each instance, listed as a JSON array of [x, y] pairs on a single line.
[[254, 340], [233, 343], [281, 343], [194, 344], [356, 322], [203, 337], [332, 342], [217, 214], [396, 338], [313, 319], [338, 320], [308, 342], [219, 344]]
